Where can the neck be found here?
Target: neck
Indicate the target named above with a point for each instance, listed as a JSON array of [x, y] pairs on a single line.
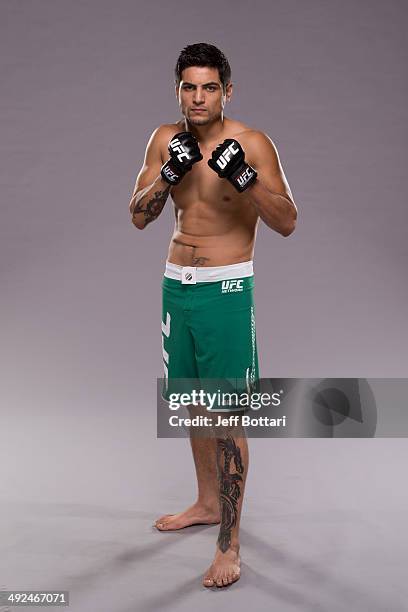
[[207, 132]]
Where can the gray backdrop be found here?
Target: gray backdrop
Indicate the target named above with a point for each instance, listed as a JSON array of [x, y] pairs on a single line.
[[83, 86]]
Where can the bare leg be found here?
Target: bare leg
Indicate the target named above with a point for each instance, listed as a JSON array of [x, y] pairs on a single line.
[[206, 509], [232, 462]]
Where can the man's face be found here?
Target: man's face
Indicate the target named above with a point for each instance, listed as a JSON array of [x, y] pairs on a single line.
[[200, 95]]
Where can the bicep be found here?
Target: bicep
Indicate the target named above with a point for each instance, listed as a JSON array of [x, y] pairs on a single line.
[[269, 168], [152, 163]]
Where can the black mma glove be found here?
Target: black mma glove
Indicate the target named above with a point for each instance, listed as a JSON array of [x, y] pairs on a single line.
[[228, 161], [184, 152]]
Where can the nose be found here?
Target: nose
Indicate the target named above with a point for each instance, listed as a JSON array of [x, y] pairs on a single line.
[[198, 97]]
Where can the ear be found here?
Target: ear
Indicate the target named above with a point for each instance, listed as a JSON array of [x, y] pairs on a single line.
[[228, 92], [176, 89]]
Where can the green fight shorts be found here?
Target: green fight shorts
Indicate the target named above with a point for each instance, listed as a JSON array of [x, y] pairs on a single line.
[[208, 329]]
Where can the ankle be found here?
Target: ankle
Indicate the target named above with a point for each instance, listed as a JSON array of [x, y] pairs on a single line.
[[209, 503], [233, 548], [235, 545]]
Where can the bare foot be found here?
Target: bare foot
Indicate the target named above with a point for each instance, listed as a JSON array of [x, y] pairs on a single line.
[[197, 514], [224, 570]]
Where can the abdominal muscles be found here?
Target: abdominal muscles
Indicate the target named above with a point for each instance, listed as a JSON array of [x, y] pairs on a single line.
[[206, 235]]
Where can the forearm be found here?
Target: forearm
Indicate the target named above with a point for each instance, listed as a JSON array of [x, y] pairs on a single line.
[[147, 204], [277, 211]]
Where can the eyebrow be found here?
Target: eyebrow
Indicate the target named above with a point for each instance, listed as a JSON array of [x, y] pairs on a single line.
[[212, 83]]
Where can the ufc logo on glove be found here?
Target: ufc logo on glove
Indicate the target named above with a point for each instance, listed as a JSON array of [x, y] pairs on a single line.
[[245, 176], [178, 148], [224, 158], [228, 161]]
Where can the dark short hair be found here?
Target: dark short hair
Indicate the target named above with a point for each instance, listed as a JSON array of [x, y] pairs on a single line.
[[203, 54]]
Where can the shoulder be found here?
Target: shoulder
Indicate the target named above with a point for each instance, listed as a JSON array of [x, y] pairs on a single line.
[[255, 138], [159, 138], [164, 132], [258, 146], [246, 135]]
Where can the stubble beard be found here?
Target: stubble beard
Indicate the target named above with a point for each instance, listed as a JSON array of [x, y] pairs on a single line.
[[199, 120], [202, 120]]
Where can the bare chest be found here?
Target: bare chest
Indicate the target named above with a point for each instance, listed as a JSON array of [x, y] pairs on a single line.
[[202, 185]]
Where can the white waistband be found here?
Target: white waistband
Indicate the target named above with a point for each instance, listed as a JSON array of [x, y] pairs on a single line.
[[208, 274]]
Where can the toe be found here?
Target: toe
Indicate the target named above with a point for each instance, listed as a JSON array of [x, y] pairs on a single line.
[[163, 518], [162, 525], [208, 581], [159, 520], [236, 576]]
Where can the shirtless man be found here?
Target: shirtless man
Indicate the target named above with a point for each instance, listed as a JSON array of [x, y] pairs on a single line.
[[222, 176]]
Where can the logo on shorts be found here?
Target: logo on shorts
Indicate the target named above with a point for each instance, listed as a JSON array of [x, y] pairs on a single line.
[[166, 332], [189, 276], [230, 286]]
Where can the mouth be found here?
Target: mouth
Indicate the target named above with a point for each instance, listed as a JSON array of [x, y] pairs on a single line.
[[198, 110]]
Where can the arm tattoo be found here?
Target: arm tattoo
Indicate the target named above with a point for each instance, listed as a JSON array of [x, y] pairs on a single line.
[[230, 491], [153, 207]]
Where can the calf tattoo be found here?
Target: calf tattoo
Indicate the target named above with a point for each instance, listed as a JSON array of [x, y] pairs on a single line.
[[153, 207], [230, 491]]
